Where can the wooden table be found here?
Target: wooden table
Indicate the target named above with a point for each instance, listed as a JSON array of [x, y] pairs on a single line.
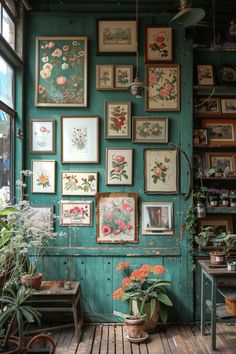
[[53, 298], [216, 276]]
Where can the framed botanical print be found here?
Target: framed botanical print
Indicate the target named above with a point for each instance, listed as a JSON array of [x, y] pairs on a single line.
[[117, 120], [158, 44], [43, 179], [149, 130], [221, 132], [228, 106], [43, 213], [79, 183], [116, 36], [61, 71], [117, 217], [157, 218], [76, 213], [161, 171], [205, 75], [104, 77], [79, 139], [221, 161], [42, 136], [119, 166], [205, 107], [123, 76], [163, 82], [200, 137]]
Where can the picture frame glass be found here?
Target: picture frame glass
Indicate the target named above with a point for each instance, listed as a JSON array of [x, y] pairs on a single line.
[[157, 218], [117, 217], [61, 71], [43, 178], [79, 143], [79, 183], [117, 120], [76, 213], [117, 36], [163, 84], [42, 136], [119, 167], [161, 171], [158, 44], [149, 130]]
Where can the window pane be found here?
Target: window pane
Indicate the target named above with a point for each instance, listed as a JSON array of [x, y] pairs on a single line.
[[6, 83], [8, 29], [5, 156]]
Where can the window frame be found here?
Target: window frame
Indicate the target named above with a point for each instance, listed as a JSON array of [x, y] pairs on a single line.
[[4, 6]]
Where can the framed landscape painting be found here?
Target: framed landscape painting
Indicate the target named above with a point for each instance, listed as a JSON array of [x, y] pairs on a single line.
[[116, 36], [119, 166], [61, 71], [43, 179], [158, 44], [163, 82], [76, 213], [79, 139], [161, 171], [157, 218], [42, 136], [149, 130], [79, 183], [117, 120], [221, 132], [117, 217]]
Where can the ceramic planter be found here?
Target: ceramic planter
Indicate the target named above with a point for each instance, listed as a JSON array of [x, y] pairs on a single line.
[[151, 323], [217, 258], [134, 327], [33, 282], [13, 346]]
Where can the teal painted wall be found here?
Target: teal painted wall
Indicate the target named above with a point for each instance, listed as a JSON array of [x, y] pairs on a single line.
[[78, 256]]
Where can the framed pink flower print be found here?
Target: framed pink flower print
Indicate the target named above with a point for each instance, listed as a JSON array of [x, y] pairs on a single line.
[[117, 217], [163, 82], [119, 166]]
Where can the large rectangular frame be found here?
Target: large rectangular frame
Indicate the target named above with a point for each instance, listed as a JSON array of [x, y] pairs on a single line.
[[117, 217], [79, 139], [61, 71]]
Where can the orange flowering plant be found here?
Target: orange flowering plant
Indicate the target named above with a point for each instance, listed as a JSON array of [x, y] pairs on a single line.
[[139, 287]]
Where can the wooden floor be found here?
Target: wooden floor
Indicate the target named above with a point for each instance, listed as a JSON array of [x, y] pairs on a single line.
[[176, 339]]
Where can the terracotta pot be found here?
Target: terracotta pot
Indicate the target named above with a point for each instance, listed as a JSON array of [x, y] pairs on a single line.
[[33, 282], [151, 323], [217, 258], [134, 327], [13, 347]]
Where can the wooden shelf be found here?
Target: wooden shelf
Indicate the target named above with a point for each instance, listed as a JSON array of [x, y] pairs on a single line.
[[219, 90], [220, 210], [216, 178], [221, 312]]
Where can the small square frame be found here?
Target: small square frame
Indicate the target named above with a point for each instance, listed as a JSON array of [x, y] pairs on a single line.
[[157, 218]]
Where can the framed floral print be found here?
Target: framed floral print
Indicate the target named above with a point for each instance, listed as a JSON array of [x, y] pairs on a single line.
[[61, 71], [117, 217], [221, 132], [79, 183], [117, 120], [104, 77], [157, 218], [42, 136], [79, 139], [163, 82], [205, 75], [149, 130], [116, 36], [158, 44], [119, 166], [43, 179], [161, 171], [123, 76], [76, 213]]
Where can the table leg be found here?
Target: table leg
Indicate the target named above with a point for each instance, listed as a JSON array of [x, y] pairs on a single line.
[[203, 303], [213, 314]]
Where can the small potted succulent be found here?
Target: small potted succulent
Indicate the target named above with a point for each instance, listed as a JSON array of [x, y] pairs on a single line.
[[214, 194], [224, 195]]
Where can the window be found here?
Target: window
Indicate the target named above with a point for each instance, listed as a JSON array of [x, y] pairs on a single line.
[[6, 83], [7, 24]]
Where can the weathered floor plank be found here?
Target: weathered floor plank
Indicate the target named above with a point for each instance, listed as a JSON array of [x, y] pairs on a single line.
[[110, 339]]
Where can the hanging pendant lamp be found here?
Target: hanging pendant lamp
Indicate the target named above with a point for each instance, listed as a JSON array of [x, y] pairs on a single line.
[[187, 16], [137, 86]]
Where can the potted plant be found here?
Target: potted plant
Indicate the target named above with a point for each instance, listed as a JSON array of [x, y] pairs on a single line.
[[203, 236], [214, 194], [15, 316], [147, 297], [233, 198]]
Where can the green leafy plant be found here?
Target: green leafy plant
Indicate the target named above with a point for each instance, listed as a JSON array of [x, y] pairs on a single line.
[[203, 236], [139, 287], [16, 314]]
